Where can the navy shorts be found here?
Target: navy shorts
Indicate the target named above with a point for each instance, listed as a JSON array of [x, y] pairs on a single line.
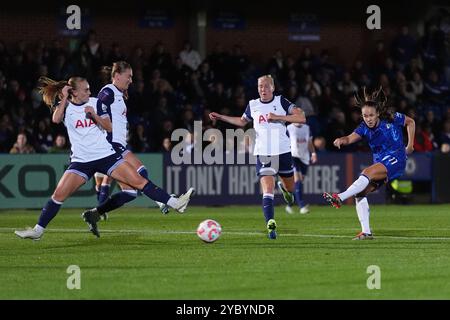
[[272, 165], [300, 166], [104, 165], [120, 149]]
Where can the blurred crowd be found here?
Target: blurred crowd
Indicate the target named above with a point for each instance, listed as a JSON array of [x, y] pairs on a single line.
[[172, 89]]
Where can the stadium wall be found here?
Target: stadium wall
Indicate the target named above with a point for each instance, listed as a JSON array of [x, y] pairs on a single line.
[[260, 38], [27, 181]]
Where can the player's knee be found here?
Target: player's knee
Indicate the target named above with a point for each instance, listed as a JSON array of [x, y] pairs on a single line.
[[59, 195], [366, 172]]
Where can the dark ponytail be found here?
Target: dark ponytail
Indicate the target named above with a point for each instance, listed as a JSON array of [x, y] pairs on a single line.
[[378, 100]]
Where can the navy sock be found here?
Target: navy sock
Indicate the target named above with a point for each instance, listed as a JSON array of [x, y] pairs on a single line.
[[97, 190], [116, 201], [103, 194], [143, 172], [155, 193], [48, 213], [299, 194], [268, 209]]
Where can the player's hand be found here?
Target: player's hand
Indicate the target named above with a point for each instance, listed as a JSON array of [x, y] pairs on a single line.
[[66, 91], [89, 110], [215, 116], [338, 143], [409, 149], [272, 117], [90, 113], [313, 157]]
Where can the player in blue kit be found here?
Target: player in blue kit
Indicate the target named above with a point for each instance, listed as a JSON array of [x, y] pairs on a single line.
[[384, 132]]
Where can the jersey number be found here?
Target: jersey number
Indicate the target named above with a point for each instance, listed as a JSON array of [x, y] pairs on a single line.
[[392, 160]]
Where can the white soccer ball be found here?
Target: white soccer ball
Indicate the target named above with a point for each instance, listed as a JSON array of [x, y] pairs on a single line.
[[209, 230]]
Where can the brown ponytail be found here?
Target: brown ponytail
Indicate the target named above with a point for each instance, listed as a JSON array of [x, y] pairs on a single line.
[[51, 89]]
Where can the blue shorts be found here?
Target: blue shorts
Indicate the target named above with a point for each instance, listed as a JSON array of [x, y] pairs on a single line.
[[120, 148], [395, 165], [300, 166], [104, 165], [272, 165]]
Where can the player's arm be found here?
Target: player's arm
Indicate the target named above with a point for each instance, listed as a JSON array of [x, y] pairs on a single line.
[[410, 125], [312, 150], [343, 141], [237, 121], [104, 122], [58, 114], [297, 115]]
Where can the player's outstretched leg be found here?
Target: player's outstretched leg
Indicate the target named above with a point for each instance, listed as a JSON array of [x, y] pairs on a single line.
[[164, 208], [182, 201], [333, 199]]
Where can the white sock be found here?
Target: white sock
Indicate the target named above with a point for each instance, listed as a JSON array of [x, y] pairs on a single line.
[[173, 202], [363, 210], [359, 185], [38, 229]]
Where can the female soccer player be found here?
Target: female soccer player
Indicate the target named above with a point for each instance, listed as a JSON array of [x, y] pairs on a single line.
[[112, 96], [269, 114], [90, 152], [383, 131], [303, 152]]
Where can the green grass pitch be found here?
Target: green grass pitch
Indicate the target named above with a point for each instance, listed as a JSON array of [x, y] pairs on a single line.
[[143, 254]]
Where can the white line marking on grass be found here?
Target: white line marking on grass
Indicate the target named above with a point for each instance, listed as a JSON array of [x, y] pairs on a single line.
[[230, 232]]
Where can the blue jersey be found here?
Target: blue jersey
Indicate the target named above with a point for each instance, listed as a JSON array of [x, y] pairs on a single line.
[[386, 143]]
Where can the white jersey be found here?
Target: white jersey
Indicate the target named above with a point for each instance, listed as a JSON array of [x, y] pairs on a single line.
[[88, 141], [115, 108], [271, 137], [300, 136]]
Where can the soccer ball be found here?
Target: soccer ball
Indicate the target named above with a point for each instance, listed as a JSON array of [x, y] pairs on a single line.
[[209, 230]]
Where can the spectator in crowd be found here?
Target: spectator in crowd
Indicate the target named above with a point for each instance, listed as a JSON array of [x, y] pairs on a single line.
[[445, 134], [411, 72], [60, 145], [166, 145], [21, 146], [422, 140], [190, 57]]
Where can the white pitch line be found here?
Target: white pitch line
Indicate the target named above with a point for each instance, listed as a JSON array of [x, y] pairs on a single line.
[[252, 233]]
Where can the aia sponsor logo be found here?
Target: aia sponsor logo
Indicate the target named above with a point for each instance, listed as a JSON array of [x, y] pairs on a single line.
[[84, 123], [263, 118]]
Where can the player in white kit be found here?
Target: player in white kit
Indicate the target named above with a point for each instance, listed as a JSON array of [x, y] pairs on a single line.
[[112, 96], [303, 153], [269, 114], [90, 152]]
